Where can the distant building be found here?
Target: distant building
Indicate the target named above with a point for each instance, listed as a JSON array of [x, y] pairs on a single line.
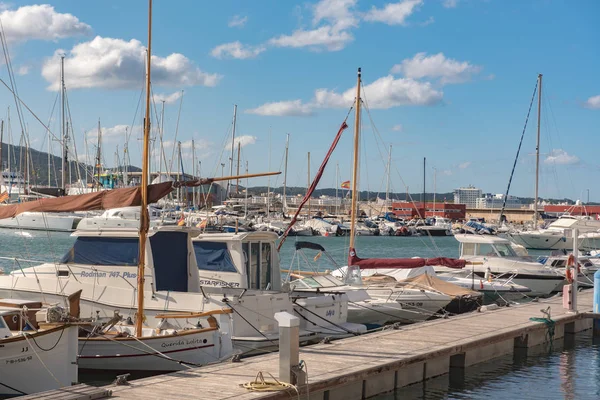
[[409, 210], [496, 201], [467, 196]]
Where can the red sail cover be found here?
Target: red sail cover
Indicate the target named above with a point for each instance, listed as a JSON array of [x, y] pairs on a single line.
[[369, 263], [314, 183], [102, 200]]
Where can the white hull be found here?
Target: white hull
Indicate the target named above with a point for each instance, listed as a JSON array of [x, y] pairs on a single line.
[[21, 368], [41, 221], [542, 241], [192, 348]]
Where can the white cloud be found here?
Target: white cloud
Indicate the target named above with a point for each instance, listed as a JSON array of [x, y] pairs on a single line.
[[464, 165], [111, 134], [450, 3], [436, 66], [236, 50], [393, 13], [397, 128], [561, 157], [323, 38], [23, 70], [447, 172], [339, 13], [40, 22], [593, 102], [243, 141], [167, 98], [283, 108], [429, 21], [116, 64], [237, 21], [384, 93], [335, 17]]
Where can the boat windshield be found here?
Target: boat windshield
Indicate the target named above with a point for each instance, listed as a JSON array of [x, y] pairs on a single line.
[[213, 256]]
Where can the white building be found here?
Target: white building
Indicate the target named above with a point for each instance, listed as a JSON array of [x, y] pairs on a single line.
[[467, 196], [496, 201]]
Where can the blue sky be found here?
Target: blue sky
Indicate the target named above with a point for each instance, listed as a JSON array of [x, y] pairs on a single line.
[[447, 80]]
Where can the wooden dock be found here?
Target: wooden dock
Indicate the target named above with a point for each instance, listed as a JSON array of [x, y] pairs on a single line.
[[364, 366]]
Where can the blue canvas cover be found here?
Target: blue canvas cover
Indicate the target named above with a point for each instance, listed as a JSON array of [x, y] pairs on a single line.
[[103, 251]]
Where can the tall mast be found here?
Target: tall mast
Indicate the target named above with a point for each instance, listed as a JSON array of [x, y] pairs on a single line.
[[387, 186], [434, 190], [62, 124], [355, 162], [49, 151], [424, 208], [98, 156], [144, 188], [308, 185], [287, 145], [246, 197], [162, 129], [232, 145], [237, 184], [337, 184], [194, 173], [1, 139], [537, 152], [269, 180], [179, 177]]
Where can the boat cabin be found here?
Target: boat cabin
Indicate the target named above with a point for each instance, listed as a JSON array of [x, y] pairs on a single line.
[[484, 246], [246, 260], [110, 256]]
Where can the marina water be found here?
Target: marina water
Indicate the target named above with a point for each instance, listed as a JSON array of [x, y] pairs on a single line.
[[570, 371]]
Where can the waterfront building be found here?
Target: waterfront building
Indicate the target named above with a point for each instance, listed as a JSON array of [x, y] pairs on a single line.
[[467, 196]]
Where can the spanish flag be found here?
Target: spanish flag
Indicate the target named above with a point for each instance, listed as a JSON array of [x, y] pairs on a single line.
[[181, 221], [346, 185], [3, 197]]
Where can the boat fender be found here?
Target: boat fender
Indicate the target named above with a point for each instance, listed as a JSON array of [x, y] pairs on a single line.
[[489, 307], [569, 268]]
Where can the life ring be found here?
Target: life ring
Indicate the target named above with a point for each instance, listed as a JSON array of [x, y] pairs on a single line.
[[569, 266]]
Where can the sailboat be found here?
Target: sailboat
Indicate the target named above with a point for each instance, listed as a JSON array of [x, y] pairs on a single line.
[[35, 358]]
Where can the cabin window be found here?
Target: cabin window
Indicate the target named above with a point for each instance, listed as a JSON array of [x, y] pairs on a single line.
[[103, 251], [486, 250], [468, 249], [505, 250], [213, 256], [265, 268], [246, 251], [254, 265]]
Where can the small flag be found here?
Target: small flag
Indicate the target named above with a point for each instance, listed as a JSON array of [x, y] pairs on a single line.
[[346, 185], [3, 197], [181, 221]]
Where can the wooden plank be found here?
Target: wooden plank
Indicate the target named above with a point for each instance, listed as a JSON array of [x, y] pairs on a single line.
[[76, 392]]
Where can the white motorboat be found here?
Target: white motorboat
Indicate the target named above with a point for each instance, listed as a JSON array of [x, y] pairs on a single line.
[[557, 236], [34, 359], [61, 222], [124, 217], [494, 255]]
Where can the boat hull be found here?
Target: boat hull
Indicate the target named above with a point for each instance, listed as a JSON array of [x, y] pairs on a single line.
[[24, 363], [41, 221]]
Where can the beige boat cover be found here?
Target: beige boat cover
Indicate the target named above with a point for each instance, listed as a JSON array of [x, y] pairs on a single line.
[[426, 280]]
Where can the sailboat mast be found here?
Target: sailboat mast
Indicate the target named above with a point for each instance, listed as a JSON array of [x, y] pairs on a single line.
[[237, 183], [387, 186], [354, 206], [537, 153], [162, 130], [1, 139], [337, 184], [62, 124], [98, 157], [287, 145], [308, 184], [144, 189], [232, 147], [423, 203]]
